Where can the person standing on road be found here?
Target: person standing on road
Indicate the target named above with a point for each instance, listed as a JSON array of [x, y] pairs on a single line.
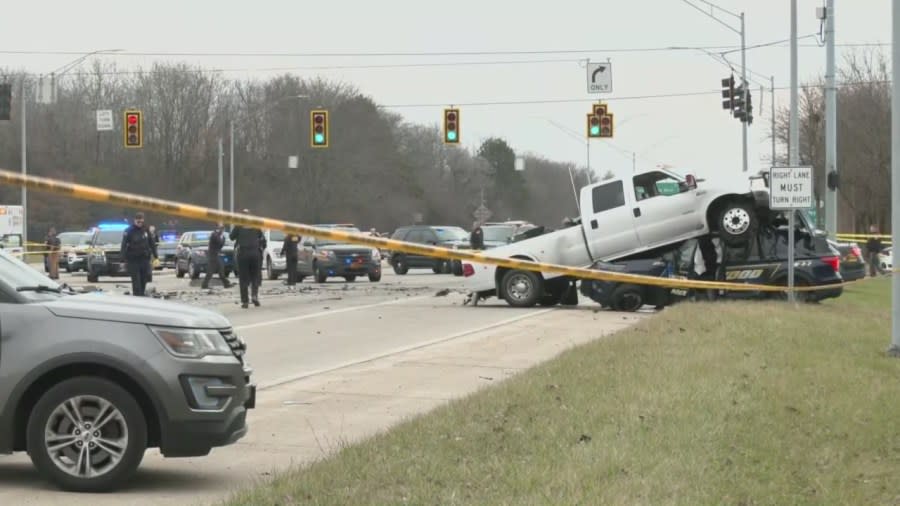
[[249, 243], [137, 249], [476, 238], [289, 251], [52, 244], [214, 265], [873, 248]]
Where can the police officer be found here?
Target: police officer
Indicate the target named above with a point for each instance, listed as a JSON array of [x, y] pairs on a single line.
[[289, 251], [214, 265], [249, 242], [52, 244], [137, 248], [476, 238]]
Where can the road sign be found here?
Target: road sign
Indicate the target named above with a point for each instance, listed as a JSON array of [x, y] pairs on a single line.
[[293, 161], [520, 164], [791, 188], [599, 77], [482, 213], [104, 120]]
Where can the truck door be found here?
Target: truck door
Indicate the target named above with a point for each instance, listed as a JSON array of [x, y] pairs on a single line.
[[665, 209], [607, 221]]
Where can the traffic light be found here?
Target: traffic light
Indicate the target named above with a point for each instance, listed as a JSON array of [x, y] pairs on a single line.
[[5, 101], [600, 109], [451, 126], [318, 129], [749, 108], [593, 126], [134, 129], [728, 93], [606, 125]]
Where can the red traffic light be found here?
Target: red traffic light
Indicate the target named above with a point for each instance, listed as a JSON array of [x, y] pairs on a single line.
[[132, 119], [134, 135]]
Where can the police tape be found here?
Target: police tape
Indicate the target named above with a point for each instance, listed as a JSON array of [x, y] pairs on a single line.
[[95, 194]]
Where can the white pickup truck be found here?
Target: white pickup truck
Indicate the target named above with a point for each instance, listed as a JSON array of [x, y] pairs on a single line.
[[619, 217]]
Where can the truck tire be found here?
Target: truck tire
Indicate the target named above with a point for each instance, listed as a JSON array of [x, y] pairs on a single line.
[[627, 297], [270, 269], [321, 274], [399, 265], [737, 222], [86, 417], [92, 278], [522, 288]]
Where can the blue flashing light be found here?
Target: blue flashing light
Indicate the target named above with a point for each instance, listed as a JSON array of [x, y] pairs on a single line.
[[112, 226]]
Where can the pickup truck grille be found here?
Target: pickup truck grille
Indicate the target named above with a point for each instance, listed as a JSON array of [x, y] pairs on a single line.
[[237, 345]]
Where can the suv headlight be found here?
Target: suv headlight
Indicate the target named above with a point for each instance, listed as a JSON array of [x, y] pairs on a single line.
[[192, 343]]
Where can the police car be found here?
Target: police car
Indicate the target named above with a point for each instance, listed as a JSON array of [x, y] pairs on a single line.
[[763, 260], [105, 257]]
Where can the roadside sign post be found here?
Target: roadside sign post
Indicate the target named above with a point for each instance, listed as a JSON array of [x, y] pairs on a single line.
[[791, 189], [104, 120]]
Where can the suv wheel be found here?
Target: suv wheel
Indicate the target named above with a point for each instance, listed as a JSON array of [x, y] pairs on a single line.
[[627, 298], [399, 265], [321, 274], [270, 271], [192, 270], [87, 434], [375, 277], [351, 278], [92, 277], [178, 272], [522, 288]]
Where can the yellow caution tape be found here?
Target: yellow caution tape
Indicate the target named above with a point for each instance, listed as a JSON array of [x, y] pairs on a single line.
[[94, 194]]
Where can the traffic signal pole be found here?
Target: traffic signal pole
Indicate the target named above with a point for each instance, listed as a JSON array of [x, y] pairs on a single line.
[[746, 88], [831, 223], [895, 174], [24, 168]]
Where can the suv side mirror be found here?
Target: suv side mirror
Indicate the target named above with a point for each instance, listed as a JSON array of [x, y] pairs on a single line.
[[691, 181]]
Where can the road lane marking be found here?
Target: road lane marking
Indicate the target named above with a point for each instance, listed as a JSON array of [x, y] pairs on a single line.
[[402, 349], [326, 313]]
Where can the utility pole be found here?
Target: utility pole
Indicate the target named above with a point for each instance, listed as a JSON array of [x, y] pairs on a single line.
[[231, 170], [772, 105], [24, 170], [793, 144], [831, 205], [746, 86], [895, 174], [221, 155]]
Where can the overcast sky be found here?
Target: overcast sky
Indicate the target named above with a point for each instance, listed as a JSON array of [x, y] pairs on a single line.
[[691, 133]]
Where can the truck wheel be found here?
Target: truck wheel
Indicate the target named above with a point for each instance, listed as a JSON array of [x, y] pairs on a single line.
[[522, 288], [270, 271], [627, 298], [737, 222], [321, 274], [193, 271], [86, 434], [92, 278], [399, 265]]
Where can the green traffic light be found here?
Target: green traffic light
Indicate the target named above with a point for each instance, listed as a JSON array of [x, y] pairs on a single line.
[[595, 130], [320, 139], [451, 135]]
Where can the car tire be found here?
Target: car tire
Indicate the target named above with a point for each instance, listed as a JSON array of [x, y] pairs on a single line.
[[68, 268], [375, 277], [178, 272], [399, 265], [321, 274], [627, 297], [737, 222], [192, 271], [522, 288], [92, 278], [456, 267], [801, 296], [270, 270], [90, 397], [350, 279]]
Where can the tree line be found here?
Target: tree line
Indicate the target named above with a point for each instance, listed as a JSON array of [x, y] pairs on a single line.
[[379, 171]]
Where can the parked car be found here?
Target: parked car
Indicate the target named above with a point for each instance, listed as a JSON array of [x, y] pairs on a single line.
[[90, 381], [105, 258], [191, 254], [443, 236], [764, 260], [74, 248], [622, 217], [166, 249], [853, 265], [324, 258], [274, 263]]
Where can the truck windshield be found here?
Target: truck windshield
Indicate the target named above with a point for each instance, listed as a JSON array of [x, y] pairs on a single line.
[[74, 239], [17, 274]]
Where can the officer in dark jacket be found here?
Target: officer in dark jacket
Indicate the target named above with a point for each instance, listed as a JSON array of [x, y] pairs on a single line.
[[214, 265], [249, 243], [137, 249], [289, 251], [476, 238]]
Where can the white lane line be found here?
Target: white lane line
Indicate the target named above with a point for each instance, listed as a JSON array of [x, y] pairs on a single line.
[[326, 313], [402, 349]]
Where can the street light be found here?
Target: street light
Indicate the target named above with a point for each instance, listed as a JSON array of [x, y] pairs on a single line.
[[61, 71]]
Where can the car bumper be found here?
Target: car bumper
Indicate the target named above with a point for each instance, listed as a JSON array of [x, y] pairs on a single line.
[[354, 269], [109, 268]]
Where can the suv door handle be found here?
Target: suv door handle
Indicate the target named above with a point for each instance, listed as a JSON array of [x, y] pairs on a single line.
[[594, 224], [637, 212]]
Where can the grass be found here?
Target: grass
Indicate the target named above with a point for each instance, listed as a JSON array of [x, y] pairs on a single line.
[[720, 403]]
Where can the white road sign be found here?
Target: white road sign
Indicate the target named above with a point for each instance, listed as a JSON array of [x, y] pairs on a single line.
[[293, 161], [599, 77], [791, 188], [104, 120]]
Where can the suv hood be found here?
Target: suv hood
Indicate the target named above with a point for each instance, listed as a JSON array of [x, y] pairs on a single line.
[[347, 248], [127, 309]]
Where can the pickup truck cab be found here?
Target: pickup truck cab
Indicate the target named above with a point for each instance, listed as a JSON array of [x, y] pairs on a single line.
[[89, 381], [619, 217]]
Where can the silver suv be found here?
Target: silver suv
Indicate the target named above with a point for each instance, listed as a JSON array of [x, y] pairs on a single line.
[[88, 382]]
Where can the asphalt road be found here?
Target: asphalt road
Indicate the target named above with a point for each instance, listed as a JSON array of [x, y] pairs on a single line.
[[354, 358]]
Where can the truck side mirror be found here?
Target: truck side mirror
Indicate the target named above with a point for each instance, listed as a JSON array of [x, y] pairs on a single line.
[[691, 181]]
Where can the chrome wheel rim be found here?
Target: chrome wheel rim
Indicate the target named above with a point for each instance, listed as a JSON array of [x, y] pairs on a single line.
[[736, 221], [519, 287], [86, 436]]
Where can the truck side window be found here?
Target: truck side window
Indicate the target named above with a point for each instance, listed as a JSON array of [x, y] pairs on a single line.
[[608, 196], [655, 184]]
